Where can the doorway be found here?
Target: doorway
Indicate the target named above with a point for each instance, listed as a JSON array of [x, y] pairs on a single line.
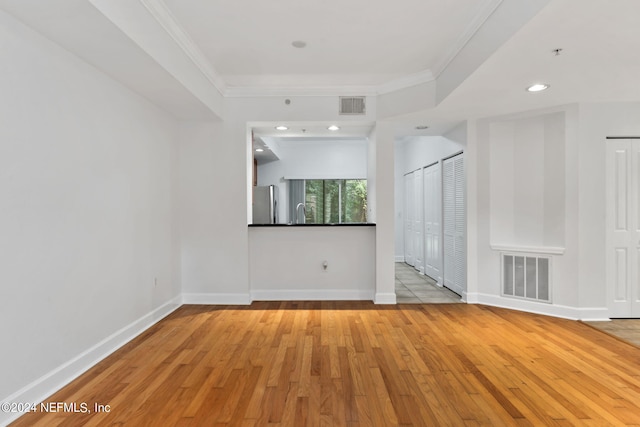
[[431, 212]]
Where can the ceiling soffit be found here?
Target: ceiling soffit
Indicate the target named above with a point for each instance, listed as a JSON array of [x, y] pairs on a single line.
[[165, 17]]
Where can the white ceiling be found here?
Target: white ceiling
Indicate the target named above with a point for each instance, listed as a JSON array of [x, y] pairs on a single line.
[[363, 43], [600, 62], [312, 130], [266, 135], [355, 42]]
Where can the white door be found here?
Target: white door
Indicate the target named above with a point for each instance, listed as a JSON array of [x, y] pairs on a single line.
[[408, 219], [432, 209], [623, 227], [453, 220], [418, 240]]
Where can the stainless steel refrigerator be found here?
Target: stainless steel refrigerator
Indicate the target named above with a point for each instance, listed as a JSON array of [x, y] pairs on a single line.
[[265, 205]]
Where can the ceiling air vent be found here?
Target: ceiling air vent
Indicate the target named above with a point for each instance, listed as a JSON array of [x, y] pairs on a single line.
[[352, 105]]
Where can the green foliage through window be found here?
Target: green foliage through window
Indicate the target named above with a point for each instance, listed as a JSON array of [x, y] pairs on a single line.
[[332, 201]]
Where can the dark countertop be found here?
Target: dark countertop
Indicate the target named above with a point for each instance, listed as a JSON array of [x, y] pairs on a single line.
[[352, 224]]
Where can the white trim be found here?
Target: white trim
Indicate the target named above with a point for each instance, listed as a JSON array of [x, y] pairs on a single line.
[[594, 314], [46, 385], [470, 297], [393, 85], [486, 10], [399, 258], [385, 298], [554, 310], [217, 299], [257, 91], [545, 250], [322, 177], [312, 295], [404, 82], [162, 14]]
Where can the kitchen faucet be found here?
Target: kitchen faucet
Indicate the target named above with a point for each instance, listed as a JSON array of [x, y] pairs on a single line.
[[304, 213]]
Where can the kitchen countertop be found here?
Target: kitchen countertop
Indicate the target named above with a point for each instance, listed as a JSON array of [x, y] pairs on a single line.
[[351, 224]]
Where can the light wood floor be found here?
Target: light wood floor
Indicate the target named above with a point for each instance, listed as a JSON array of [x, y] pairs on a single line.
[[359, 364]]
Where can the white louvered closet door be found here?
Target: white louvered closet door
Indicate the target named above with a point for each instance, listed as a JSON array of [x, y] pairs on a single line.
[[418, 224], [432, 214], [408, 219], [454, 220]]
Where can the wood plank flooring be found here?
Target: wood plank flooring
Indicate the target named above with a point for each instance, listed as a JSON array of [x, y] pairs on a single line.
[[358, 364]]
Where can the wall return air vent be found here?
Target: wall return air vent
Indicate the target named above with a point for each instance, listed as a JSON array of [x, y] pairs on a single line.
[[352, 105], [526, 276]]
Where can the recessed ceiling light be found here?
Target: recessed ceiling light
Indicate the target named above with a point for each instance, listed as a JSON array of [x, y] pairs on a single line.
[[259, 150], [333, 127], [422, 127], [537, 87], [281, 127], [299, 44]]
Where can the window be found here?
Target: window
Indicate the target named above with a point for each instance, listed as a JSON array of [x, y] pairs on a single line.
[[331, 201]]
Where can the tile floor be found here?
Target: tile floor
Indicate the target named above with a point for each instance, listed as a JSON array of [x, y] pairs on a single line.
[[626, 329], [414, 288]]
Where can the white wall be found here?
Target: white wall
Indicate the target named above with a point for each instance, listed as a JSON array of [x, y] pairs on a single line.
[[417, 152], [527, 181], [572, 194], [579, 275], [318, 159], [213, 223], [286, 263], [380, 182], [215, 198], [87, 214], [421, 151], [597, 121], [313, 159]]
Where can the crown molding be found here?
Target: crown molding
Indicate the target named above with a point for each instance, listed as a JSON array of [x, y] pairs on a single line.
[[331, 90], [260, 91], [162, 14], [486, 10], [405, 82]]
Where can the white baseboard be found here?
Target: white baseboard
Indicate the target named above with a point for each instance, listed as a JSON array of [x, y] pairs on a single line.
[[312, 295], [53, 381], [594, 314], [399, 258], [217, 299], [555, 310], [385, 298], [470, 298]]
